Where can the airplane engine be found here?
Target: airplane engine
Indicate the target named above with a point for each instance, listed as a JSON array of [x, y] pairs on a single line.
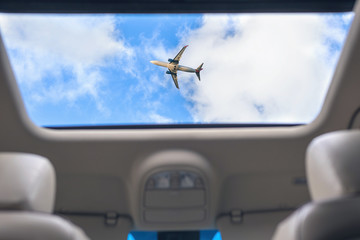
[[172, 61], [168, 72]]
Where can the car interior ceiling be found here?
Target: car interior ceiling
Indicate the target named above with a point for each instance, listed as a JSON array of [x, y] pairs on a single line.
[[250, 178]]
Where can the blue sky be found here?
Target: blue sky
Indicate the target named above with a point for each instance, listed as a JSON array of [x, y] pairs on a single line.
[[95, 69]]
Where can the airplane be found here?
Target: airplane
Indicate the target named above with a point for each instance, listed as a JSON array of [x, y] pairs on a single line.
[[173, 66]]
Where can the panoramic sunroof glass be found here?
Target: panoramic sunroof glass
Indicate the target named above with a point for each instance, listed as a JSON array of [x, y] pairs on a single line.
[[133, 69]]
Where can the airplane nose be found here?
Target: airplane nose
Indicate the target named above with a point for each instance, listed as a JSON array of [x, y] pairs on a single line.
[[153, 62]]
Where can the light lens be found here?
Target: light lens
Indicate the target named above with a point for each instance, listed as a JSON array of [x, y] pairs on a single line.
[[174, 180]]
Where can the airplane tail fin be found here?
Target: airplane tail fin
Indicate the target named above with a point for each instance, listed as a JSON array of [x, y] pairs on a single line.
[[198, 71]]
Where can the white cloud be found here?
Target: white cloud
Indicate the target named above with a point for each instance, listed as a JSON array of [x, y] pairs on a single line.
[[260, 68], [59, 57], [157, 118]]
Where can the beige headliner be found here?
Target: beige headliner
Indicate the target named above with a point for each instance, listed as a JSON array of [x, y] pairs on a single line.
[[253, 168]]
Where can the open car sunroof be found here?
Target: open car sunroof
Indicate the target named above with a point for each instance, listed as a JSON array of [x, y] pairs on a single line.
[[132, 69]]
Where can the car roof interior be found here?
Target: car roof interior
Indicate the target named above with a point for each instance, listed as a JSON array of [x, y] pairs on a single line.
[[251, 178]]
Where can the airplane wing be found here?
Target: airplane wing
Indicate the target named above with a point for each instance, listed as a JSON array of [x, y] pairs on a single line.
[[178, 56], [174, 77]]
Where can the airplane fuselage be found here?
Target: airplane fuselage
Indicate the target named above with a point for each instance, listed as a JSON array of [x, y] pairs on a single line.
[[174, 66]]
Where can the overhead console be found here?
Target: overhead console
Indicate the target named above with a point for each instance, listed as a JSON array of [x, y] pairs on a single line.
[[174, 191], [174, 196]]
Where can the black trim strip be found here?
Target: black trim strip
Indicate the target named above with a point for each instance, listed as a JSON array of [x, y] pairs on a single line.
[[170, 126], [270, 210], [110, 218], [91, 214], [259, 211], [174, 6]]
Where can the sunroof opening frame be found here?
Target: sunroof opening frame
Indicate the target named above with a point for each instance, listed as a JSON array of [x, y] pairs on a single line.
[[171, 6]]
